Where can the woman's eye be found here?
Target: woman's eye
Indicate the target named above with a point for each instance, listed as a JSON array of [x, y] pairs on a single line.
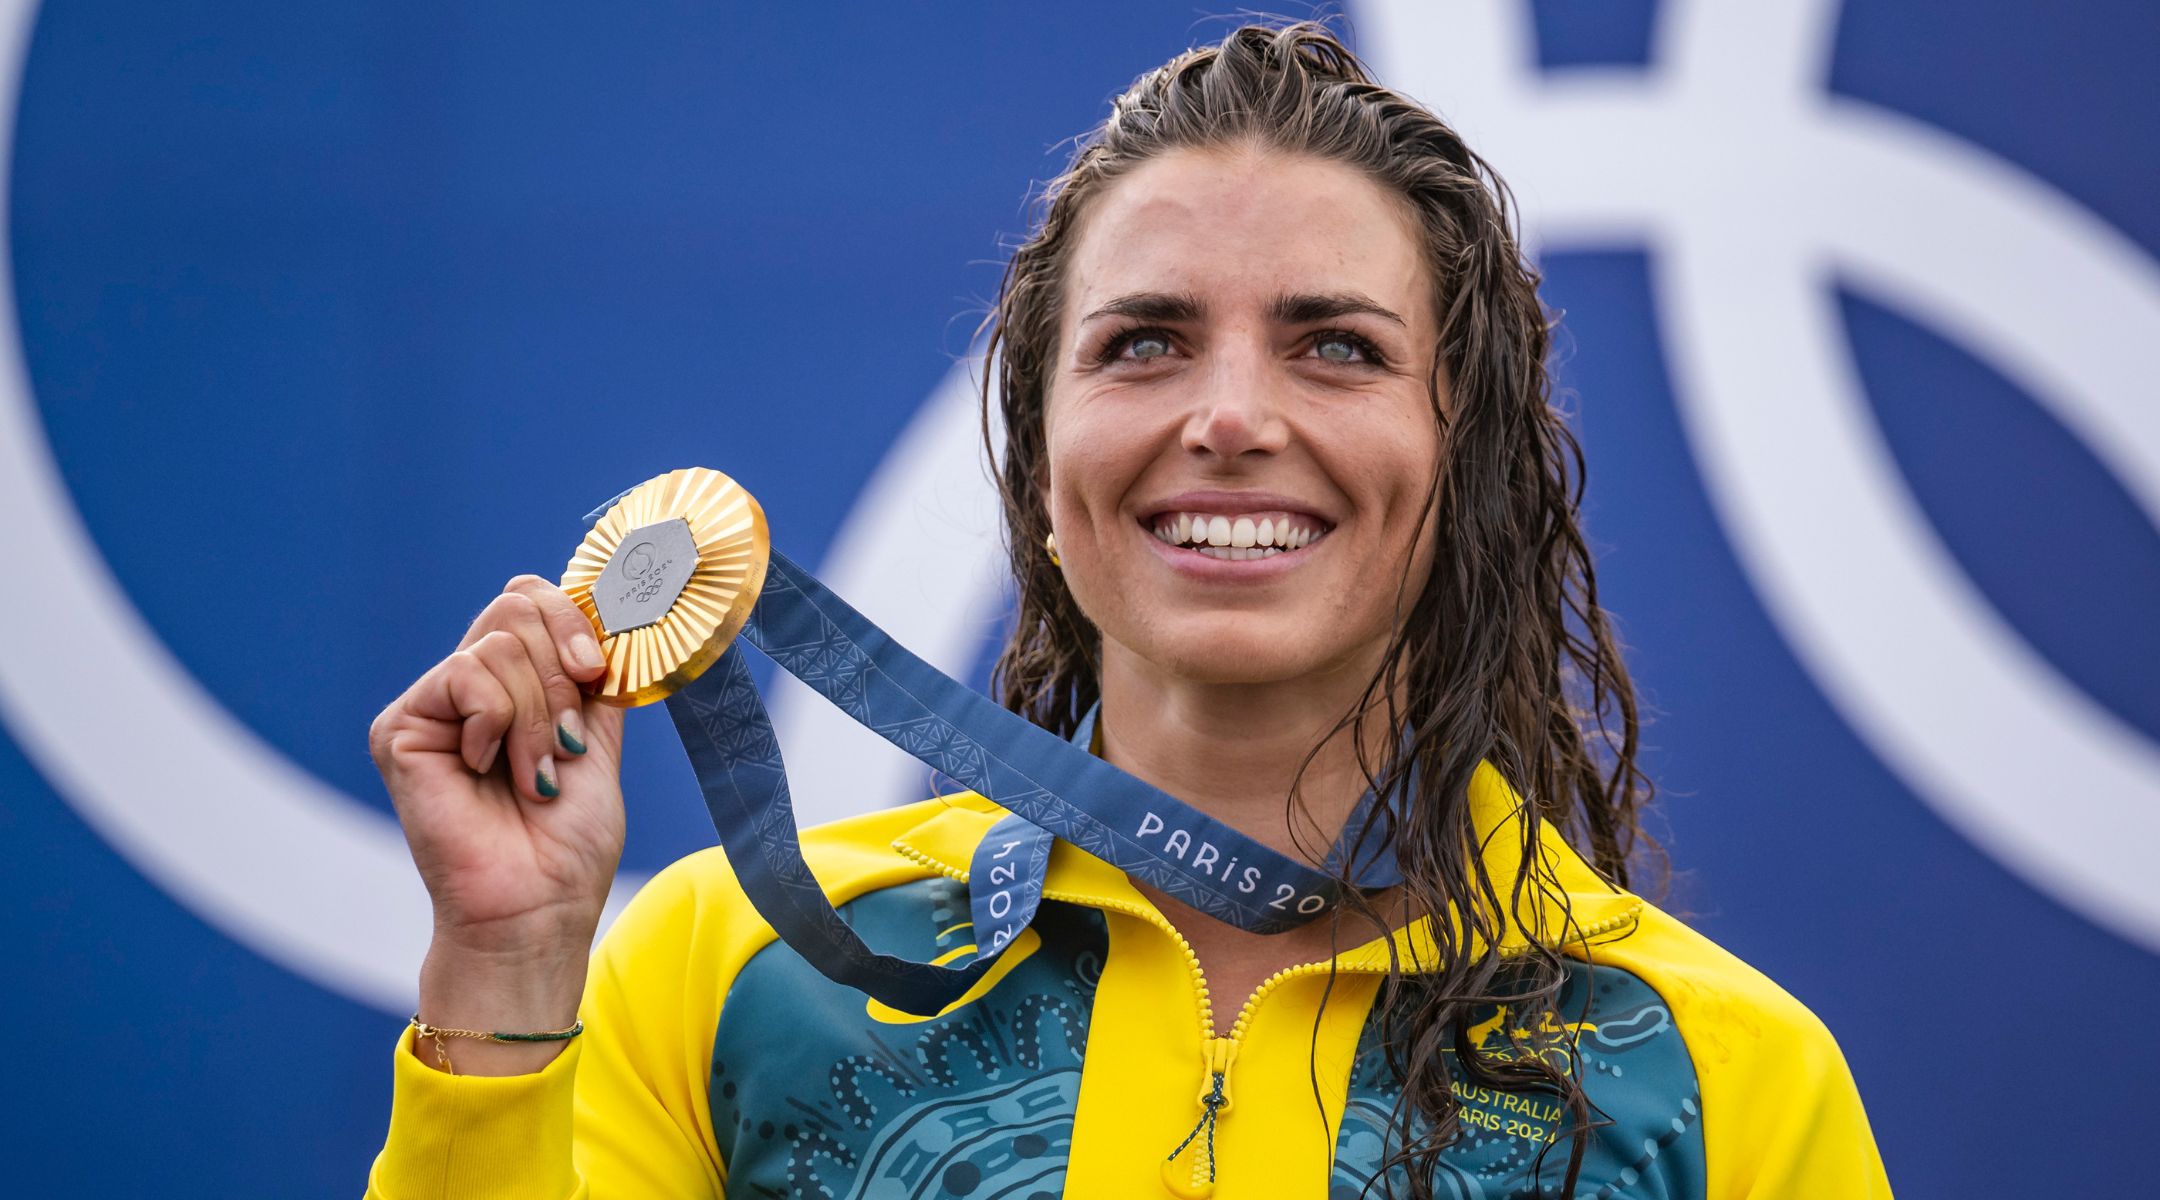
[[1144, 346], [1137, 345], [1344, 348]]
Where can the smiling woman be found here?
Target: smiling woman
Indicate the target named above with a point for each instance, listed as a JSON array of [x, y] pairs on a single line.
[[1294, 526]]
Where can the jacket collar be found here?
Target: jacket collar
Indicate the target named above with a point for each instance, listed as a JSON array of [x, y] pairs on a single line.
[[1593, 910]]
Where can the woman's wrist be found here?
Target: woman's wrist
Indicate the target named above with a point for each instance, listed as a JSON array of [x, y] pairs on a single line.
[[496, 992], [470, 990]]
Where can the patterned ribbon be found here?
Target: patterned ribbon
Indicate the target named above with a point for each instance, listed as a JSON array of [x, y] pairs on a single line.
[[1052, 788]]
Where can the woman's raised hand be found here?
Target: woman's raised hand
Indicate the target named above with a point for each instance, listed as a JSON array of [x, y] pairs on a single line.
[[507, 780]]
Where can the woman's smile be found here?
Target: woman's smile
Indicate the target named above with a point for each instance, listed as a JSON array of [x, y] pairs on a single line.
[[1206, 532]]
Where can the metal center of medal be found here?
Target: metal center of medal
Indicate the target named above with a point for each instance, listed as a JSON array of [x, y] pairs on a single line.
[[640, 583]]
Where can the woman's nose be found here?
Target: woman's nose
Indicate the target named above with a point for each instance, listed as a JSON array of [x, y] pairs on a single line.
[[1239, 407]]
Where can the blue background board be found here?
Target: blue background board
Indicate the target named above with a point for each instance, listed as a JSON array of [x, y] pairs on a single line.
[[338, 315]]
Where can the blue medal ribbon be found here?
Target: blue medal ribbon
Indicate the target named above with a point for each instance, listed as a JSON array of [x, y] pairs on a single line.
[[1052, 788]]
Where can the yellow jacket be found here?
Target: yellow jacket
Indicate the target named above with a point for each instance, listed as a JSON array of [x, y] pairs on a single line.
[[715, 1061]]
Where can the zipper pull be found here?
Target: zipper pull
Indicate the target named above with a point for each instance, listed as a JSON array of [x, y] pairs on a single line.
[[1196, 1181]]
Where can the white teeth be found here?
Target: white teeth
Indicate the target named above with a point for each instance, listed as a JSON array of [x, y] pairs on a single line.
[[1235, 539], [1238, 553]]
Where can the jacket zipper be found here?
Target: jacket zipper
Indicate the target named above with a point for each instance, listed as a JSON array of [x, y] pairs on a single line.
[[1218, 1053], [1198, 1180]]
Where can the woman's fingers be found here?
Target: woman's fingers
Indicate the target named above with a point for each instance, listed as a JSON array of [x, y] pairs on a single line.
[[509, 697], [559, 638], [529, 741], [567, 625], [458, 706], [522, 615], [485, 706], [577, 650]]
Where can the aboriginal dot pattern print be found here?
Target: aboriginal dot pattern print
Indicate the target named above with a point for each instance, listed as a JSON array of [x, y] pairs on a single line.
[[817, 1093]]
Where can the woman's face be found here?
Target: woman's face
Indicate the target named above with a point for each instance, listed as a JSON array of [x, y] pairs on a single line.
[[1239, 430]]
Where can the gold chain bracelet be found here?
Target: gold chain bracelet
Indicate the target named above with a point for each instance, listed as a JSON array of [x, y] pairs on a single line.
[[436, 1034]]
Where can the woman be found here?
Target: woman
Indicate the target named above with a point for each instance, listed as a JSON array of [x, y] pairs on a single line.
[[1291, 519]]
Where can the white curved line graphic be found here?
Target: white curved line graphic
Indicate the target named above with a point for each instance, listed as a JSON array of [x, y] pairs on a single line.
[[1756, 192], [194, 799]]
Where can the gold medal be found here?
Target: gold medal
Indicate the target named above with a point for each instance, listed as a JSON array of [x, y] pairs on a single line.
[[668, 575]]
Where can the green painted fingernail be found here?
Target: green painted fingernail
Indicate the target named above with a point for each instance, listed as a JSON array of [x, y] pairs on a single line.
[[544, 778], [566, 733]]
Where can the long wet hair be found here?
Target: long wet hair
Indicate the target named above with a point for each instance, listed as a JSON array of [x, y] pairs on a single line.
[[1501, 654]]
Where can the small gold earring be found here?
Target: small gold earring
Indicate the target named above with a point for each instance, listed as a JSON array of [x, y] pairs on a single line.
[[1050, 544]]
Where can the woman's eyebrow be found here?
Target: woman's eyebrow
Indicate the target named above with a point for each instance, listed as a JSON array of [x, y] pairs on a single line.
[[1306, 307], [1297, 308], [1151, 306]]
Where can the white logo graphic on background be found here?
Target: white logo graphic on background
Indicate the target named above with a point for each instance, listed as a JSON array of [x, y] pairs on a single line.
[[1725, 158], [1752, 188]]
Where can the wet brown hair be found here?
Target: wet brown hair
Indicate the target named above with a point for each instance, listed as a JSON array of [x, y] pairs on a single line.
[[1501, 654]]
